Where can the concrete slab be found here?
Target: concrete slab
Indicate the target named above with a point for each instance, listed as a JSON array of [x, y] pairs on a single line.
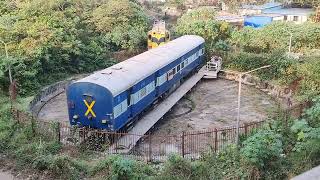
[[313, 174]]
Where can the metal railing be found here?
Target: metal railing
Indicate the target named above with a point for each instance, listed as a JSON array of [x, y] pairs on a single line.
[[152, 146]]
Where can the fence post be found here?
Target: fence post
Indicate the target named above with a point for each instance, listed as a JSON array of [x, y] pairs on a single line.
[[150, 149], [183, 134], [245, 129], [58, 131], [32, 126], [215, 140], [18, 116], [300, 110]]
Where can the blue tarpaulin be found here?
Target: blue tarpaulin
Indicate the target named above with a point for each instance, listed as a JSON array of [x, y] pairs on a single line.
[[257, 21]]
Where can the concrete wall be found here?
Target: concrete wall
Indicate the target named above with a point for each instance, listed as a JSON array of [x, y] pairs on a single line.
[[281, 94], [49, 92]]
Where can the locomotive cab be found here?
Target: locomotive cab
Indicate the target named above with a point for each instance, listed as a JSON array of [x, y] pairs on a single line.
[[90, 105]]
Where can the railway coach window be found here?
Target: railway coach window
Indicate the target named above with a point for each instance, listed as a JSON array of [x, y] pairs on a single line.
[[120, 108], [162, 79], [143, 92], [202, 51], [170, 74], [178, 68], [182, 65]]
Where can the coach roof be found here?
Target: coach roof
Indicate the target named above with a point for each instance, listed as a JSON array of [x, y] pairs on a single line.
[[125, 74]]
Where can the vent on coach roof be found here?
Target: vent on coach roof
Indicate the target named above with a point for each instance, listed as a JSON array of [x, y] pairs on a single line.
[[117, 68], [106, 72]]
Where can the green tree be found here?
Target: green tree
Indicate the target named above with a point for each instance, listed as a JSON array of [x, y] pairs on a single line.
[[276, 36], [202, 22], [122, 23], [49, 39]]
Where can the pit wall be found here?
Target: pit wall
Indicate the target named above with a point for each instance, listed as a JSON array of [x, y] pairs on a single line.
[[281, 94], [48, 93]]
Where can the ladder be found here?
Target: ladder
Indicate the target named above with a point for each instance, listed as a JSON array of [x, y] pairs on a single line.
[[212, 68]]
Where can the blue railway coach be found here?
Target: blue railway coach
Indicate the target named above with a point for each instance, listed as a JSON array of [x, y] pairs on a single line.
[[114, 97]]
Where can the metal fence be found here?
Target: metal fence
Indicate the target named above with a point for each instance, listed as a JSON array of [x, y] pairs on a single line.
[[151, 147], [190, 144]]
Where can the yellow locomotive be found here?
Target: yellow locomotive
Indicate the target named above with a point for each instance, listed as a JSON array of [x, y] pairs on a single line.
[[159, 35]]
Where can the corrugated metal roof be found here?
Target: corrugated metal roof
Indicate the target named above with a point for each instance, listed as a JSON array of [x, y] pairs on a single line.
[[125, 74], [290, 11], [261, 7]]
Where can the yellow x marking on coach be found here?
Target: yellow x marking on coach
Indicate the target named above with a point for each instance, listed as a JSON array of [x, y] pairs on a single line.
[[89, 108]]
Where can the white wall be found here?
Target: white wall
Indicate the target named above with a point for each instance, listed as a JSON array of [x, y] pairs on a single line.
[[299, 20], [278, 18]]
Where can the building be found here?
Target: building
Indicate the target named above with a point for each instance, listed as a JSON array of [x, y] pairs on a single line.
[[258, 9], [233, 19], [261, 15], [297, 15]]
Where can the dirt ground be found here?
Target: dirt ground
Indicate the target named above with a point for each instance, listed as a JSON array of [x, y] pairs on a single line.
[[213, 104]]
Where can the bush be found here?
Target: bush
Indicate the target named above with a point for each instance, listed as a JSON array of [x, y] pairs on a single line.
[[61, 166], [262, 148], [227, 164], [116, 167], [176, 167], [280, 64], [309, 72]]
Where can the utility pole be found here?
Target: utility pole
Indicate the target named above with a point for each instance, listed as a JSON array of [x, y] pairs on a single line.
[[290, 42], [7, 56], [239, 98]]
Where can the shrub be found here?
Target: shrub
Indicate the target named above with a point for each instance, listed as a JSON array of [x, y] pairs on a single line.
[[280, 64], [116, 167], [262, 148], [61, 166], [227, 164], [176, 167], [312, 115]]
